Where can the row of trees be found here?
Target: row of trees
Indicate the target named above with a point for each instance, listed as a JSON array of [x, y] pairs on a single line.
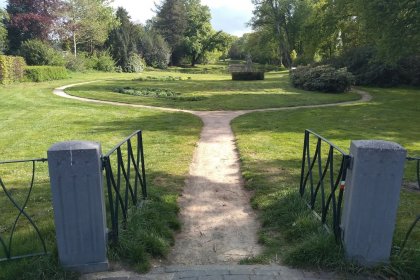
[[309, 30], [181, 31]]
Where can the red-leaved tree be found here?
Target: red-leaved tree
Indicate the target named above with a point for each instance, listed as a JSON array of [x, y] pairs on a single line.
[[30, 19]]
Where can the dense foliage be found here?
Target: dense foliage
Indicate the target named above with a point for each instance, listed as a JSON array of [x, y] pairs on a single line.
[[135, 64], [12, 69], [80, 34], [30, 19], [185, 25], [45, 73], [301, 32], [323, 78], [37, 52]]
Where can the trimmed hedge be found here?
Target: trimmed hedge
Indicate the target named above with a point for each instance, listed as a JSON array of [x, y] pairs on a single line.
[[45, 73], [12, 69], [247, 76], [323, 78]]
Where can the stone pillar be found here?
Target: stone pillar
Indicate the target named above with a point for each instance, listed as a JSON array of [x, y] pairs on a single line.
[[371, 200], [78, 200]]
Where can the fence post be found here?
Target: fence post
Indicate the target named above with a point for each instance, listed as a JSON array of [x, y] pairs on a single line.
[[79, 213], [371, 200]]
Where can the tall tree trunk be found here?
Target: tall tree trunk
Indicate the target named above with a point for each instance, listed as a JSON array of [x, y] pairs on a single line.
[[74, 44]]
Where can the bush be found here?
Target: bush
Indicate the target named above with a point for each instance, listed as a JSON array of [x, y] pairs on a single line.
[[102, 61], [76, 63], [135, 64], [37, 52], [12, 69], [247, 76], [362, 62], [45, 73], [409, 70], [156, 51], [323, 78]]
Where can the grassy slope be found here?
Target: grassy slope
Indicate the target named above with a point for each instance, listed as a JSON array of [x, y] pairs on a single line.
[[32, 119], [218, 91], [270, 146]]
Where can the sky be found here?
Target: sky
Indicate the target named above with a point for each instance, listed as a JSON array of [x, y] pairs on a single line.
[[230, 16]]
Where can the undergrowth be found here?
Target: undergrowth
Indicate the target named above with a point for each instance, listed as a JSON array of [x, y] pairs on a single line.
[[149, 233], [157, 93]]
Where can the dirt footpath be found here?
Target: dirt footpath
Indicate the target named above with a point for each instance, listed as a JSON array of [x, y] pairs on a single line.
[[219, 226]]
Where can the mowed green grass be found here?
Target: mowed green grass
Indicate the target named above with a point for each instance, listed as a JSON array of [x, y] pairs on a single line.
[[210, 91], [270, 146], [32, 119]]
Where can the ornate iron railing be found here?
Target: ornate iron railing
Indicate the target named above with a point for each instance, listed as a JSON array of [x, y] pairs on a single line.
[[125, 173], [325, 179], [417, 219], [7, 244], [417, 160]]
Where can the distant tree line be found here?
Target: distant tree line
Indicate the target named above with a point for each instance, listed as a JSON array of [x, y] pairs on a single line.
[[89, 33], [378, 40]]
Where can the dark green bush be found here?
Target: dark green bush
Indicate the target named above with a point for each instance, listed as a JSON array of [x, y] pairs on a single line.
[[156, 51], [363, 63], [102, 61], [37, 52], [409, 70], [45, 73], [323, 78], [11, 69], [247, 76]]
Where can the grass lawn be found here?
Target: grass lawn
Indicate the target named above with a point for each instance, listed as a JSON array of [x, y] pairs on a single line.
[[214, 91], [32, 119], [270, 146]]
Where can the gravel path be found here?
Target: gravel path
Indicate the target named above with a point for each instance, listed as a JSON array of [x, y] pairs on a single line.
[[219, 226]]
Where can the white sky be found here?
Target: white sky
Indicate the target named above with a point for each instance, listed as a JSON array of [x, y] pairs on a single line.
[[230, 16]]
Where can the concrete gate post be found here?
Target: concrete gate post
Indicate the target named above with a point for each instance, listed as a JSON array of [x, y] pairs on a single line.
[[371, 200], [75, 170]]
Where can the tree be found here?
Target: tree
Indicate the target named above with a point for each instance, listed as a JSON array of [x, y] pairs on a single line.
[[393, 26], [262, 47], [30, 19], [3, 30], [237, 49], [122, 41], [277, 16], [155, 50], [88, 22], [200, 37], [171, 23]]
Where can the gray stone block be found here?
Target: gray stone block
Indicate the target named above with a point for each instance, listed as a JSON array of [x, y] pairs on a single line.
[[78, 200], [372, 194]]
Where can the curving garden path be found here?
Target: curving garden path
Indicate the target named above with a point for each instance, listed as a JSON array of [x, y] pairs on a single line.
[[219, 226]]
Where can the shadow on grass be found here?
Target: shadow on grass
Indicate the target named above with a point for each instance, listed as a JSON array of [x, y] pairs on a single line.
[[290, 230], [176, 124]]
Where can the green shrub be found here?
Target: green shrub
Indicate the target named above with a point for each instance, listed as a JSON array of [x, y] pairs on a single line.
[[409, 70], [148, 92], [323, 78], [37, 52], [102, 61], [135, 64], [45, 73], [156, 51], [11, 69], [76, 63], [363, 63], [247, 76]]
